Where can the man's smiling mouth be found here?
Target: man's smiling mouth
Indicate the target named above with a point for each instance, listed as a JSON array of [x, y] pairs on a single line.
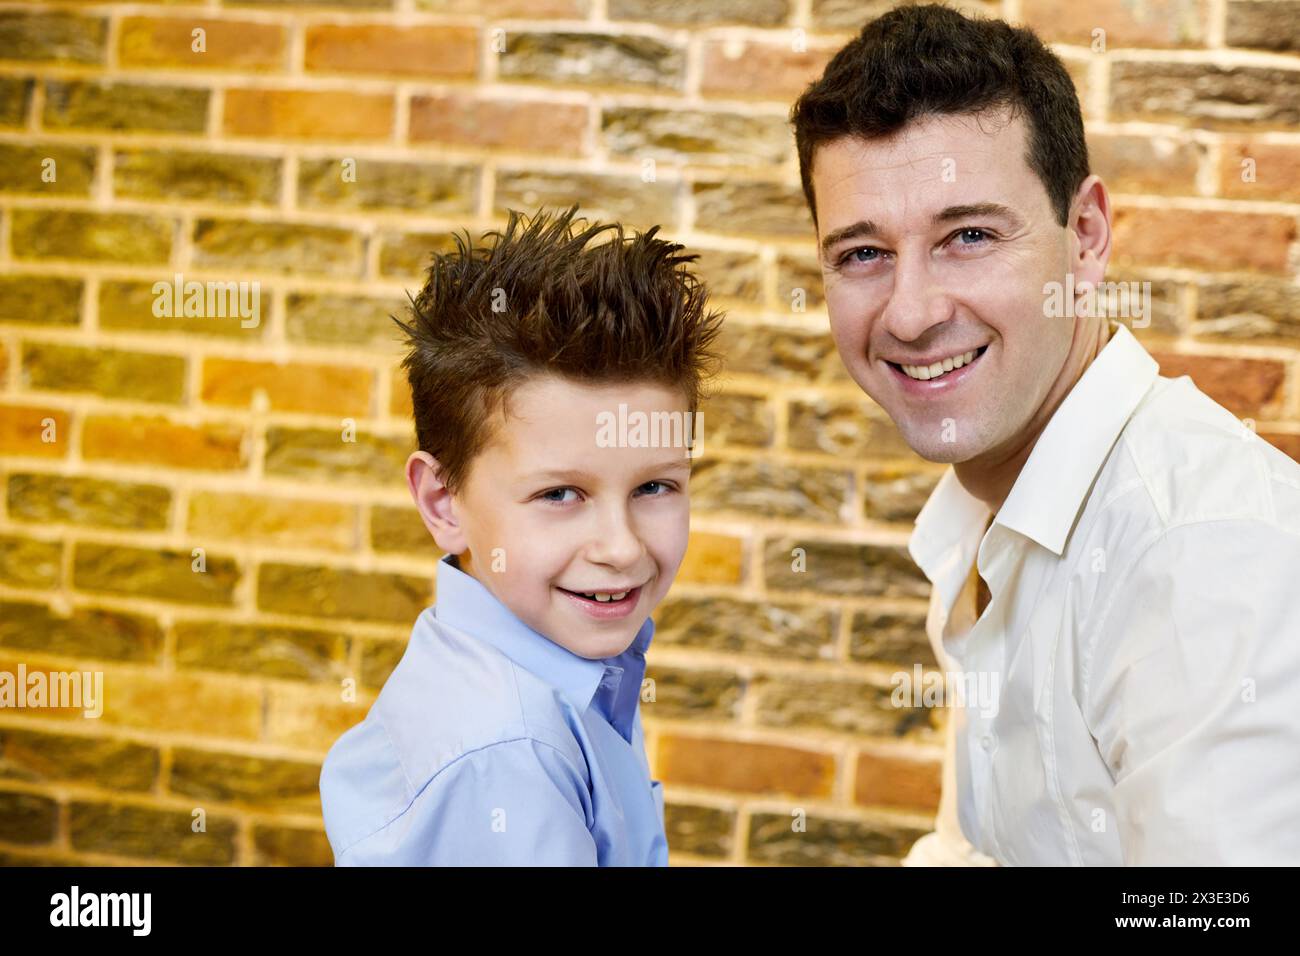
[[939, 368]]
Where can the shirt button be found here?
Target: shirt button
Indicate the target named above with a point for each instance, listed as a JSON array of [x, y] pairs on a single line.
[[988, 742]]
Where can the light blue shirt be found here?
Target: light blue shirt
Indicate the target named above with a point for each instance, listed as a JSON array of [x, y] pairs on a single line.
[[491, 745]]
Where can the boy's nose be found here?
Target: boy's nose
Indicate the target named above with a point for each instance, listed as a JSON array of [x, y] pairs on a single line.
[[616, 542]]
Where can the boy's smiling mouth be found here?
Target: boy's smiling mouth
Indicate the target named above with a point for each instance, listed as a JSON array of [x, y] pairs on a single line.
[[605, 603]]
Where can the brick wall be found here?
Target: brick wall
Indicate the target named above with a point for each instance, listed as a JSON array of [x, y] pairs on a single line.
[[136, 444]]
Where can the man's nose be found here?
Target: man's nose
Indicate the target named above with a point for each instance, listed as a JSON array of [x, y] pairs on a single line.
[[918, 300]]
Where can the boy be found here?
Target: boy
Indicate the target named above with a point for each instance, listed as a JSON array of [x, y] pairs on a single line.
[[509, 733]]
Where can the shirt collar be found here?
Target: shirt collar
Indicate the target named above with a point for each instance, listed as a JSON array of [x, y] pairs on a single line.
[[1054, 482], [464, 603]]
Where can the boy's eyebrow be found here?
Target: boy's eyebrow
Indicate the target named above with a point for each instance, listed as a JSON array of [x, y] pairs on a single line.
[[865, 228], [577, 474]]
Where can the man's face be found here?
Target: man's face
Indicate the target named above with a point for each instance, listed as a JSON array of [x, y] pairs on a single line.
[[904, 291], [571, 517]]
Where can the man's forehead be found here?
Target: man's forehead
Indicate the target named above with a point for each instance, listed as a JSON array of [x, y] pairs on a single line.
[[949, 166], [921, 147]]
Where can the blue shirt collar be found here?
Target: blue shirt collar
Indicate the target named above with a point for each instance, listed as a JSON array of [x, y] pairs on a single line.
[[464, 603]]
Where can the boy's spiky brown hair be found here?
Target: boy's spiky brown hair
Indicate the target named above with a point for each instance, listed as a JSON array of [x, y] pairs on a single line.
[[540, 297]]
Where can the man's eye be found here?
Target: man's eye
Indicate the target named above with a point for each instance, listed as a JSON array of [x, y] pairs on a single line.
[[982, 233], [547, 495], [858, 255]]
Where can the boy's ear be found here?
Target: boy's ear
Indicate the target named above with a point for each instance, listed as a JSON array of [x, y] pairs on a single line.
[[433, 501]]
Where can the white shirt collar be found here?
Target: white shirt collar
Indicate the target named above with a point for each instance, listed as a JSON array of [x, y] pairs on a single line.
[[1053, 484]]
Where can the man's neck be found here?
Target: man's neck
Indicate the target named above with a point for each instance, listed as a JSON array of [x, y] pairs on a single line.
[[991, 476]]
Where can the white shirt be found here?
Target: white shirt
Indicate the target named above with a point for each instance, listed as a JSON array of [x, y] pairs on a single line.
[[1143, 637]]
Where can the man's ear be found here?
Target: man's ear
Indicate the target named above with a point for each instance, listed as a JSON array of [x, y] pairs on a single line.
[[1090, 221], [433, 501]]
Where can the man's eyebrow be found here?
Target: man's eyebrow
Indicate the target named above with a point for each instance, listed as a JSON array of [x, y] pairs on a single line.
[[865, 228]]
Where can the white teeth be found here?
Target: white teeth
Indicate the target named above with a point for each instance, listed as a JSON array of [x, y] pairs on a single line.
[[606, 598], [926, 372]]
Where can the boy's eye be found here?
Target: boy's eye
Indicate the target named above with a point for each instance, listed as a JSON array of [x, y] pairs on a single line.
[[657, 484], [547, 495]]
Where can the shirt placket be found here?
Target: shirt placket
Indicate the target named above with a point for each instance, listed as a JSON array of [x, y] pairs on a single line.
[[985, 660]]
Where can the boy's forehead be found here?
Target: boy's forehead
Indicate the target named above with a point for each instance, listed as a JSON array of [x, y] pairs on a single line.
[[557, 411]]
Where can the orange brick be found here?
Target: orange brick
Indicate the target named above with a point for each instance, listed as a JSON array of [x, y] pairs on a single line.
[[897, 782], [1203, 239], [158, 441], [55, 678], [712, 559], [399, 399], [182, 704], [292, 522], [332, 389], [227, 44], [308, 114], [311, 718], [509, 124], [23, 429], [438, 52], [1276, 170], [762, 70], [744, 767]]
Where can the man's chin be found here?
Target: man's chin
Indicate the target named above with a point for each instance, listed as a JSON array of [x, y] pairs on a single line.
[[932, 446]]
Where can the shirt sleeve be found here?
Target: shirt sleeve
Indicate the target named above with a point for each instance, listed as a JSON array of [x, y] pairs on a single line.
[[1190, 692], [516, 803], [947, 845]]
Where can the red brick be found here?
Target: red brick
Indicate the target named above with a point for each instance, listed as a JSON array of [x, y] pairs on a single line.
[[1276, 170], [902, 782], [1286, 442], [509, 124], [1204, 239], [762, 70], [1151, 23], [1241, 385]]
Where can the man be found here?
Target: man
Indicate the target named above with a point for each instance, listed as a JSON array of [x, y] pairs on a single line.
[[1117, 552]]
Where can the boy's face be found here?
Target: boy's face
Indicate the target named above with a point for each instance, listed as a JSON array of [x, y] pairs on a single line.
[[546, 513]]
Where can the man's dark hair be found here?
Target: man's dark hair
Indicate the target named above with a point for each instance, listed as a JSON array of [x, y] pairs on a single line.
[[926, 59], [538, 298]]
